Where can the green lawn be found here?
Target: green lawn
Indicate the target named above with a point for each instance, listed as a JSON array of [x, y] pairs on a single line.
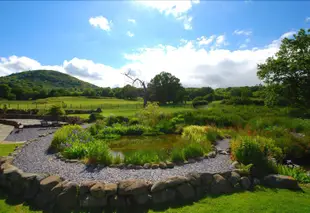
[[261, 200]]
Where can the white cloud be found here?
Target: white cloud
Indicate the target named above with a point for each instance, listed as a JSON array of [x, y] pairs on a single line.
[[205, 41], [277, 42], [194, 64], [178, 9], [243, 32], [187, 22], [131, 20], [307, 19], [101, 22], [130, 34]]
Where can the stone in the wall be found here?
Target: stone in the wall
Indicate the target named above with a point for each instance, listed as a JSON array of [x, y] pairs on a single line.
[[281, 181], [117, 201], [133, 187], [194, 179], [164, 196], [234, 178], [220, 185], [185, 191], [67, 199], [245, 183], [110, 189], [98, 190], [92, 202], [206, 180], [85, 187], [168, 183]]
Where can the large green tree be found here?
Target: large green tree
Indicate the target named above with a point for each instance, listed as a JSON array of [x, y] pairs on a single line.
[[287, 74], [165, 88]]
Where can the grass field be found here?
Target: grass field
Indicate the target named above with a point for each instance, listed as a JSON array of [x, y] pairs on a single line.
[[260, 201], [74, 103]]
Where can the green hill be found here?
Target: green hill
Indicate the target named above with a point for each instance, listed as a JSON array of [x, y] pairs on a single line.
[[39, 84]]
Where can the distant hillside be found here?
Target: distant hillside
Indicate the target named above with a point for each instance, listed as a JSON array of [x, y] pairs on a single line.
[[47, 79], [39, 84]]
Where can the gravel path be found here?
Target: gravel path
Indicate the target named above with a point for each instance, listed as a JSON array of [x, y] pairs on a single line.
[[33, 158], [28, 133], [223, 144]]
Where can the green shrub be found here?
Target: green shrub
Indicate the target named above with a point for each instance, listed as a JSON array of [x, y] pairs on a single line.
[[99, 152], [56, 111], [193, 150], [177, 155], [197, 103], [150, 115], [141, 157], [94, 117], [296, 172], [111, 120], [194, 133], [75, 151], [118, 129], [134, 121], [64, 134], [255, 150], [165, 126]]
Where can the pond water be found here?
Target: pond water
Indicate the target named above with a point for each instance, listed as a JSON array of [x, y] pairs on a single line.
[[146, 143]]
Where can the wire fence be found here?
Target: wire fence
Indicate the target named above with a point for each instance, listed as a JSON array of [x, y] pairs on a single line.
[[28, 106]]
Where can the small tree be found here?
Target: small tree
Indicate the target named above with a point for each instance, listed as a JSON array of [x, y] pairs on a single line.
[[56, 112], [142, 83], [288, 73]]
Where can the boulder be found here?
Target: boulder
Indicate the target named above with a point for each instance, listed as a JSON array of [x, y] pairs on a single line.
[[234, 178], [185, 191], [162, 165], [206, 179], [117, 201], [147, 166], [67, 199], [281, 181], [220, 185], [50, 182], [85, 187], [110, 189], [245, 183], [194, 179], [154, 166], [168, 183], [92, 202], [170, 165], [235, 165], [98, 190], [133, 187], [141, 199], [211, 154], [164, 196], [256, 182], [31, 185]]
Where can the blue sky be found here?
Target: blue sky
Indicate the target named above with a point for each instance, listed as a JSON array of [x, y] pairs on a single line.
[[206, 43]]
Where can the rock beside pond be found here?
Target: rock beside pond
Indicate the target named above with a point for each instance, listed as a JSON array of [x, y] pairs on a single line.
[[162, 165], [147, 166], [170, 165], [281, 181], [155, 166]]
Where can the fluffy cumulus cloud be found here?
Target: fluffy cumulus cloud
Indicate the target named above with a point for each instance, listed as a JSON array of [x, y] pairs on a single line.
[[130, 34], [101, 22], [199, 62], [178, 9]]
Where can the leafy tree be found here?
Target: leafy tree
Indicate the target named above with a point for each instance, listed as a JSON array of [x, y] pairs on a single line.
[[130, 92], [56, 111], [4, 91], [288, 73], [165, 87]]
